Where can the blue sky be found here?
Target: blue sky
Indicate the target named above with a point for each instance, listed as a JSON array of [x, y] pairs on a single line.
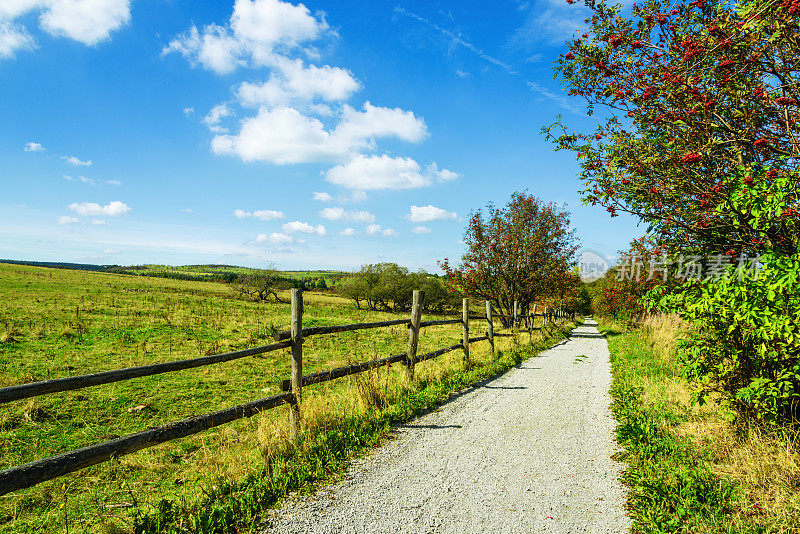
[[325, 134]]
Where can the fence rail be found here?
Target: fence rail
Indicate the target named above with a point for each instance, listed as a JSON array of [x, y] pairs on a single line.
[[70, 383], [32, 473], [317, 330]]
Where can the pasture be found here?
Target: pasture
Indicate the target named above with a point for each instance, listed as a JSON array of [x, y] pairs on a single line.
[[56, 323]]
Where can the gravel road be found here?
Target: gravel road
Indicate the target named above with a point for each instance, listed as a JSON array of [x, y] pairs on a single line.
[[529, 451]]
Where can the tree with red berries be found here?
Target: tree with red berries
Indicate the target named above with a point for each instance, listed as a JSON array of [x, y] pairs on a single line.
[[524, 252], [619, 293], [699, 136]]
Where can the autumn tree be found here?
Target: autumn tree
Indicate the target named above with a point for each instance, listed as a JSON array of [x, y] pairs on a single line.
[[519, 252], [619, 292], [697, 120]]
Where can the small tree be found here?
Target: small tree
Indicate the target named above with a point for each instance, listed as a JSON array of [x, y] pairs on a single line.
[[259, 285], [354, 287], [521, 252], [389, 287]]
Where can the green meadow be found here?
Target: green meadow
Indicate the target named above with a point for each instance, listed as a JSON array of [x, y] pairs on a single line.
[[56, 323]]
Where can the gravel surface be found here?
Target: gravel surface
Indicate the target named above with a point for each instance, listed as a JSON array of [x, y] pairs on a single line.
[[529, 451]]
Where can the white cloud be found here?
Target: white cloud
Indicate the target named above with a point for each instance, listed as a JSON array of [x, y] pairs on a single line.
[[14, 37], [257, 28], [359, 127], [275, 238], [34, 147], [421, 230], [91, 181], [322, 196], [293, 81], [303, 227], [378, 172], [347, 232], [443, 175], [112, 209], [216, 50], [430, 213], [297, 96], [340, 214], [86, 21], [75, 162], [11, 9], [99, 222], [187, 210], [462, 74], [215, 116], [188, 110], [281, 135], [355, 195], [67, 220], [284, 135], [264, 215], [375, 229]]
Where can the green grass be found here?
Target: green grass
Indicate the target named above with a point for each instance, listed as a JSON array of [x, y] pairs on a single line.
[[672, 485], [56, 323]]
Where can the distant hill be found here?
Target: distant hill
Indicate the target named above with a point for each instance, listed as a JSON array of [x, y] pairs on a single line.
[[202, 273], [61, 265]]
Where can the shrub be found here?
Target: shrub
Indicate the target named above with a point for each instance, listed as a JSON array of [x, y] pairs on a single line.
[[746, 343]]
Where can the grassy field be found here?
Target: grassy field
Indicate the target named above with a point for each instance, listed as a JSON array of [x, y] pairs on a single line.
[[56, 323], [691, 468]]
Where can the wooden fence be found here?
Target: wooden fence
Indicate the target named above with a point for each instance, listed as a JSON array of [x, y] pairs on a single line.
[[32, 473]]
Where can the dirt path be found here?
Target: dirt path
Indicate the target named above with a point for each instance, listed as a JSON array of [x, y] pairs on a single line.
[[529, 451]]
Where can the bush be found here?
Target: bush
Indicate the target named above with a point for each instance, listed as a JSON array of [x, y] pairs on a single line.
[[746, 342]]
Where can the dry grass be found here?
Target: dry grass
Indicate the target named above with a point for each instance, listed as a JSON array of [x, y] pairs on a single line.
[[663, 331], [765, 462]]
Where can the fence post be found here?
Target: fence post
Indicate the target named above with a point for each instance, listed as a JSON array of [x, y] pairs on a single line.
[[465, 322], [297, 363], [490, 325], [533, 324], [514, 317], [413, 332]]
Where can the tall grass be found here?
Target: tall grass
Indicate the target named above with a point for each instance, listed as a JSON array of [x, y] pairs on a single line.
[[692, 469]]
